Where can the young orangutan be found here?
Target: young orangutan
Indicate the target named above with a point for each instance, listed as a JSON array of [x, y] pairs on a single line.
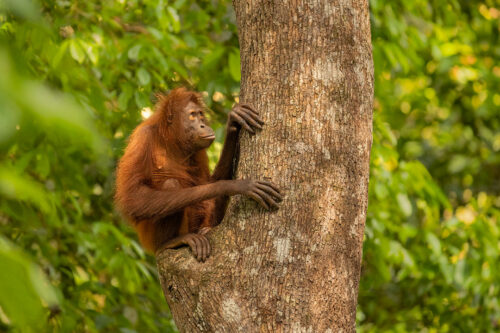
[[163, 185]]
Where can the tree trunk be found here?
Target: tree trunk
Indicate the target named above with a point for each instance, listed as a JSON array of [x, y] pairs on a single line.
[[307, 68]]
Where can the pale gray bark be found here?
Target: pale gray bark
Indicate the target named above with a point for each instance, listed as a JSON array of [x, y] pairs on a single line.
[[307, 67]]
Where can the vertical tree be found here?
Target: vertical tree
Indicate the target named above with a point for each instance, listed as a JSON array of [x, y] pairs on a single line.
[[307, 67]]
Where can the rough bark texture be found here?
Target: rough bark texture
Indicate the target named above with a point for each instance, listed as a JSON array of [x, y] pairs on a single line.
[[307, 67]]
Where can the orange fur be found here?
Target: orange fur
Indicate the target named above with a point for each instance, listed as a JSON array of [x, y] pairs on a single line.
[[150, 159]]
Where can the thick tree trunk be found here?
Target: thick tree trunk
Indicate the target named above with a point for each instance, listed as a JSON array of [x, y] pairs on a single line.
[[307, 67]]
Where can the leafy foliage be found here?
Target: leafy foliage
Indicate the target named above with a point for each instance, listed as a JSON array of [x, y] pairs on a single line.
[[59, 150], [77, 76], [432, 242]]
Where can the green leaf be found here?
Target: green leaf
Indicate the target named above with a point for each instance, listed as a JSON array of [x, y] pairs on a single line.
[[124, 97], [9, 114], [144, 76], [24, 8], [93, 54], [457, 163], [76, 50], [21, 188], [43, 165], [24, 290], [234, 65], [133, 53], [141, 100], [404, 204], [61, 52], [434, 243], [156, 33], [174, 19]]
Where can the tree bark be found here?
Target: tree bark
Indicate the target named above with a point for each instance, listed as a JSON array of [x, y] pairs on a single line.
[[307, 68]]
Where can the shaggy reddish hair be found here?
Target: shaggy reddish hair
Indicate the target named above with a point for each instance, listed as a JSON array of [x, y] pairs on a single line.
[[168, 108]]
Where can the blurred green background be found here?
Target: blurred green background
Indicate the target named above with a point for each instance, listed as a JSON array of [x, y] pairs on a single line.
[[77, 76]]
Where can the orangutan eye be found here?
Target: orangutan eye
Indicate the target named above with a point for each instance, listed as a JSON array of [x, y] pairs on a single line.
[[192, 116]]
